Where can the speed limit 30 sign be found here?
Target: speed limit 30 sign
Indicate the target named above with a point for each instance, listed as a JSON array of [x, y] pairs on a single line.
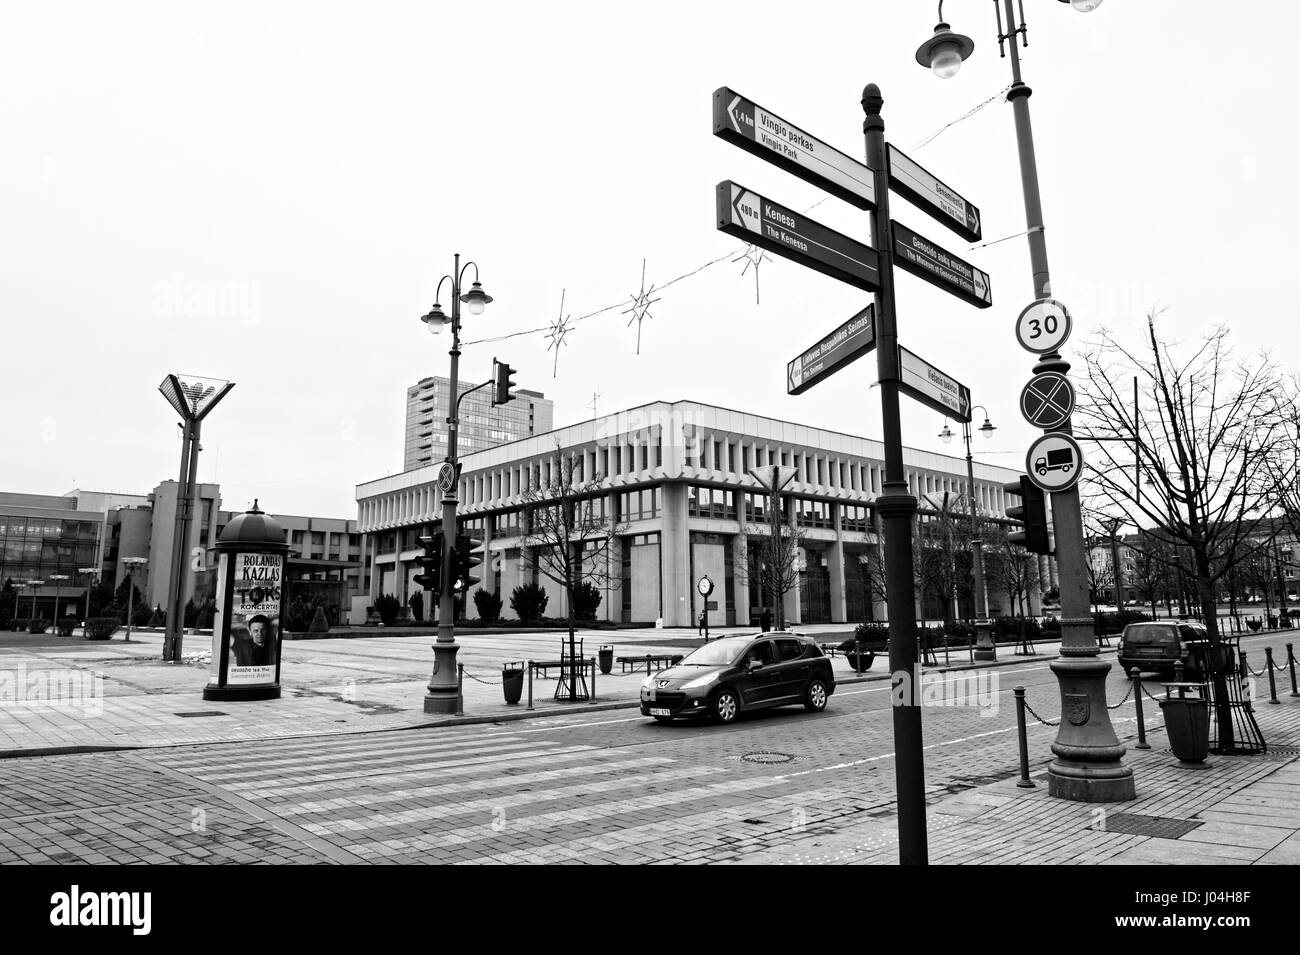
[[1043, 326]]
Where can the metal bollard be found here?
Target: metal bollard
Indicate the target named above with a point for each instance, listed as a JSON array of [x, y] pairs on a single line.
[[1024, 782], [460, 689], [1272, 681], [647, 664], [1142, 743], [1178, 671], [593, 681], [530, 686], [1290, 662]]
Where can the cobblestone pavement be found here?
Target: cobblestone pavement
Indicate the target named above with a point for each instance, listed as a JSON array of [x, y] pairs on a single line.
[[779, 787]]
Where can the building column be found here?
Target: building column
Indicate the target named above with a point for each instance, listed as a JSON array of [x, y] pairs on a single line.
[[835, 564], [488, 578], [675, 554], [740, 573], [790, 605]]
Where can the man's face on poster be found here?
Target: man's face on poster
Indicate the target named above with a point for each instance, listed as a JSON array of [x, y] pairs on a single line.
[[257, 632]]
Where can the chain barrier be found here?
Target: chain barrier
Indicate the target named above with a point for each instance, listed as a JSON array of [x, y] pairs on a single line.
[[1126, 696], [484, 682], [1151, 696], [1250, 669], [1039, 718]]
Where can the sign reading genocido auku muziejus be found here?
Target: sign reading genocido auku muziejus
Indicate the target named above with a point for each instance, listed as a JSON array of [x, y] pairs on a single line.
[[847, 343]]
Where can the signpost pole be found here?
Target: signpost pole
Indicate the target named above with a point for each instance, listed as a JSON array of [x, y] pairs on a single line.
[[1089, 765], [896, 507]]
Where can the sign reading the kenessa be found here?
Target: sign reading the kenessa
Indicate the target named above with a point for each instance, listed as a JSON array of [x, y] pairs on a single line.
[[930, 386], [747, 215], [918, 255], [850, 341], [745, 124], [255, 618], [939, 201]]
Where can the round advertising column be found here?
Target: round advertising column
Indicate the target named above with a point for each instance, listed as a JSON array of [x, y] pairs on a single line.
[[246, 627]]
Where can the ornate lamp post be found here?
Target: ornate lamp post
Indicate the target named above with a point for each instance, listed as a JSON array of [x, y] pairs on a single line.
[[985, 648], [441, 696], [1089, 765], [132, 564]]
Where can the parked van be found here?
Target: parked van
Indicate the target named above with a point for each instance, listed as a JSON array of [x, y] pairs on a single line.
[[1157, 645]]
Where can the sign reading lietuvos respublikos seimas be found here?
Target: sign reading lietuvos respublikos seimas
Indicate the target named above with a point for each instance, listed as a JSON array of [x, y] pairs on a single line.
[[246, 626]]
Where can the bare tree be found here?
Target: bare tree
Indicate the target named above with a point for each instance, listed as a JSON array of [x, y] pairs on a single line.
[[774, 555], [1189, 459], [569, 536], [1009, 566]]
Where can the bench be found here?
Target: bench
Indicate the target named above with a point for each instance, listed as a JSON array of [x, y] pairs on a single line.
[[649, 659]]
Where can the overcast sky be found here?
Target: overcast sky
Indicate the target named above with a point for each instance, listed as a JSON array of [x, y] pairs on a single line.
[[269, 192]]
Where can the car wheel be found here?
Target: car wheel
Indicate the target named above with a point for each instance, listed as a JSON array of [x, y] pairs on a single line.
[[814, 700], [663, 719], [725, 705]]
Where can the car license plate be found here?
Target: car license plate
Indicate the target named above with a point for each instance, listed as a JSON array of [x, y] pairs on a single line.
[[660, 711]]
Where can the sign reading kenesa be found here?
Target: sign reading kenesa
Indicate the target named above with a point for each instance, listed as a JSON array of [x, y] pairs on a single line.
[[671, 483]]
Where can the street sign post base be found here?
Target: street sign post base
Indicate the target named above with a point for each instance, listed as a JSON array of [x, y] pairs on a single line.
[[985, 648], [443, 695], [1089, 765], [242, 693]]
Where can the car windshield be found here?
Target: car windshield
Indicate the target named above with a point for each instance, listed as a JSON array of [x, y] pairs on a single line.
[[722, 652]]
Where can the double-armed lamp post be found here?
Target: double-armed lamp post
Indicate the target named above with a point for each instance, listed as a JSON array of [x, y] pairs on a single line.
[[442, 693], [1089, 765], [985, 648]]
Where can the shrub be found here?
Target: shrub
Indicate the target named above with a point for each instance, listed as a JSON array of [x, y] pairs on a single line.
[[528, 601], [156, 619], [37, 626], [488, 606], [872, 636], [586, 601], [388, 607], [66, 626], [416, 603], [318, 623], [101, 628], [1114, 622], [957, 634]]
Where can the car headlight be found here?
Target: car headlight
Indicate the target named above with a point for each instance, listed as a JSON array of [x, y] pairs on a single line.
[[700, 681]]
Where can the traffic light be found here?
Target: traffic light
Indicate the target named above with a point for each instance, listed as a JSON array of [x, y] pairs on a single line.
[[467, 555], [501, 383], [431, 561], [1032, 513]]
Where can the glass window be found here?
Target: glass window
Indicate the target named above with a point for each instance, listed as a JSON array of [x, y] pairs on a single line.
[[761, 651], [789, 649]]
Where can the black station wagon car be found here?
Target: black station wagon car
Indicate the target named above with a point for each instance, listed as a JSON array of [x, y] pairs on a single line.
[[733, 675]]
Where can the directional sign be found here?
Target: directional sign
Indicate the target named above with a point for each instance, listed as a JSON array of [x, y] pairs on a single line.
[[947, 206], [921, 257], [747, 215], [1047, 401], [932, 387], [850, 341], [1043, 326], [749, 126], [1054, 462]]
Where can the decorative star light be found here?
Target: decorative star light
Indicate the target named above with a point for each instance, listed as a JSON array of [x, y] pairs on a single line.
[[640, 309], [753, 256], [559, 328]]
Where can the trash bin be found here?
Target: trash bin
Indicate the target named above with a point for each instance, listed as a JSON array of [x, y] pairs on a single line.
[[606, 655], [1187, 721], [512, 682]]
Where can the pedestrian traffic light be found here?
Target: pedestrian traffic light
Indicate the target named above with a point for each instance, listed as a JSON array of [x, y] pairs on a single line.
[[467, 555], [501, 382], [431, 562], [1032, 514]]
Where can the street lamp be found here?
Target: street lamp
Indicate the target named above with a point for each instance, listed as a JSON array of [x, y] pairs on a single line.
[[441, 696], [92, 580], [35, 585], [58, 587], [131, 564], [1089, 765], [985, 648]]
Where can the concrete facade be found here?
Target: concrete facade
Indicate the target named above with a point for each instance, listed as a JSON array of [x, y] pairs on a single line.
[[675, 479]]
